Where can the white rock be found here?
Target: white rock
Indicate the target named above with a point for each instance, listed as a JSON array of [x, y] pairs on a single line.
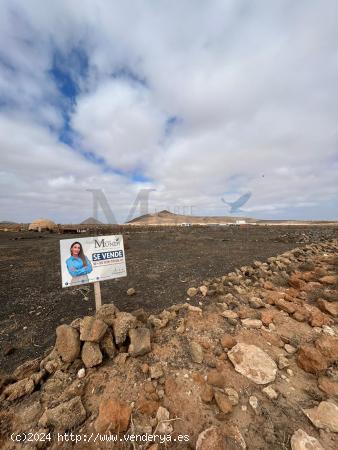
[[232, 395], [162, 416], [325, 415], [229, 314], [252, 323], [290, 349], [253, 402], [253, 362], [204, 290], [270, 392], [81, 373], [302, 441]]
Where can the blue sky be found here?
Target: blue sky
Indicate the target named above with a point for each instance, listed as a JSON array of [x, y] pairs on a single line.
[[198, 103]]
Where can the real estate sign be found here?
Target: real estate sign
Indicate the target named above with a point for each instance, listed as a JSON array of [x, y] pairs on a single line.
[[92, 259]]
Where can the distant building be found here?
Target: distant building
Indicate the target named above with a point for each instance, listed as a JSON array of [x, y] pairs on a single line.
[[42, 225]]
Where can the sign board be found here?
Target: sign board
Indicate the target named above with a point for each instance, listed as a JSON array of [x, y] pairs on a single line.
[[92, 259]]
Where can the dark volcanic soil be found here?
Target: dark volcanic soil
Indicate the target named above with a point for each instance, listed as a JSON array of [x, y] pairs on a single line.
[[161, 266]]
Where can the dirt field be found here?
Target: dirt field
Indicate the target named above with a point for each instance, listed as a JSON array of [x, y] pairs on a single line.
[[161, 266]]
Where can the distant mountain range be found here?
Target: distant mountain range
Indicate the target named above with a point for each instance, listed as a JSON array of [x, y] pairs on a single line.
[[91, 221]]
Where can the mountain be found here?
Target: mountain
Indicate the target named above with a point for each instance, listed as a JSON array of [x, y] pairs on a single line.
[[91, 221]]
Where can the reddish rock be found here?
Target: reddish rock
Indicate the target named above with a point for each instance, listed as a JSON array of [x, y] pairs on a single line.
[[300, 316], [228, 341], [147, 407], [296, 282], [223, 402], [288, 307], [67, 343], [329, 279], [318, 319], [268, 285], [113, 416], [328, 307], [92, 330], [328, 385], [247, 313], [311, 360], [216, 378], [328, 346], [207, 393], [267, 317], [308, 276]]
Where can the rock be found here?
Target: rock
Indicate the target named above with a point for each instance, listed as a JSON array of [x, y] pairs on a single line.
[[207, 393], [204, 290], [328, 385], [181, 328], [114, 416], [223, 402], [253, 402], [107, 313], [156, 322], [296, 282], [256, 303], [156, 371], [253, 362], [232, 395], [163, 426], [288, 307], [67, 343], [121, 325], [228, 341], [311, 360], [270, 393], [211, 439], [196, 352], [26, 369], [107, 345], [194, 309], [290, 349], [229, 314], [328, 279], [267, 317], [318, 319], [67, 415], [325, 415], [328, 307], [328, 346], [252, 323], [131, 291], [191, 292], [18, 389], [81, 373], [91, 354], [92, 330], [139, 342], [300, 316], [283, 362], [216, 378], [302, 441]]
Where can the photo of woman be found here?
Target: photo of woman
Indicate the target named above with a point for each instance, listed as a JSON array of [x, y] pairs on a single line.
[[78, 264]]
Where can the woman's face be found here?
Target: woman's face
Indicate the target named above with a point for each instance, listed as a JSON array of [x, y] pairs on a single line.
[[76, 250]]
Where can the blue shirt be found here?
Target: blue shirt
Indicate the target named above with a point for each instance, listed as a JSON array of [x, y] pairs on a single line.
[[76, 268]]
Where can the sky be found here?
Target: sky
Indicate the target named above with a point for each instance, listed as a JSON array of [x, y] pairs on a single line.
[[199, 101]]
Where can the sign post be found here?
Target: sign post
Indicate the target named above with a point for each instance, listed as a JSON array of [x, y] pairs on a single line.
[[91, 260]]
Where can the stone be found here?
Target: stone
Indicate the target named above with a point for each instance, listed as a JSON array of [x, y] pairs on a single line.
[[207, 393], [67, 415], [121, 326], [290, 349], [311, 360], [18, 389], [256, 303], [318, 319], [328, 346], [211, 439], [81, 373], [156, 371], [139, 342], [252, 362], [223, 402], [204, 290], [156, 322], [216, 378], [302, 441], [114, 416], [325, 415], [107, 313], [196, 352], [92, 330], [283, 362], [91, 354], [328, 385], [232, 395], [229, 314], [300, 316], [329, 279], [107, 345], [252, 323], [191, 292], [270, 393], [288, 307], [328, 307], [67, 343], [26, 369], [228, 341], [253, 402], [296, 282], [163, 426], [131, 291], [267, 317]]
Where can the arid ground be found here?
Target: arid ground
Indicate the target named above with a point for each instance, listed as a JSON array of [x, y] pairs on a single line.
[[161, 266]]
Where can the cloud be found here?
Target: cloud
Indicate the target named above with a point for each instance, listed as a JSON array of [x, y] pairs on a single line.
[[195, 99]]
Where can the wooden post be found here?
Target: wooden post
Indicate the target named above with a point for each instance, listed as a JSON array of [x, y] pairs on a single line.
[[97, 292]]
